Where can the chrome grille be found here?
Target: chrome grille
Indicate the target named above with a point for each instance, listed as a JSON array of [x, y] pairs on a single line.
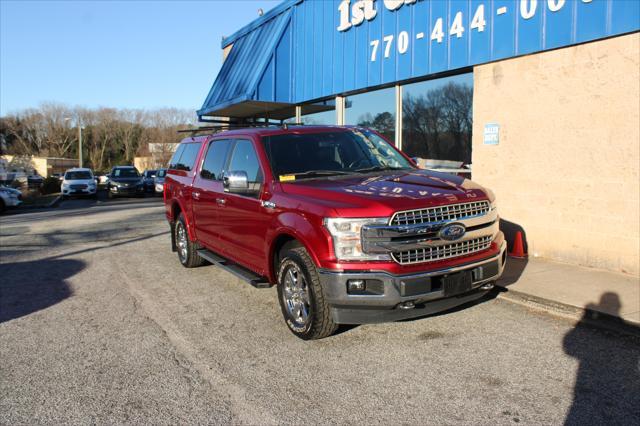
[[441, 213], [430, 254]]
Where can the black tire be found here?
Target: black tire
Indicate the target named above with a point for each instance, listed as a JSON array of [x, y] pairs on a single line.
[[2, 206], [186, 248], [317, 323]]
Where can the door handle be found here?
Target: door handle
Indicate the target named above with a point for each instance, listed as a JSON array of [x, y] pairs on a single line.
[[195, 195], [221, 201]]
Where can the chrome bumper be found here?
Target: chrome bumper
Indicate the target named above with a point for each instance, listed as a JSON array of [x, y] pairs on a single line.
[[394, 302]]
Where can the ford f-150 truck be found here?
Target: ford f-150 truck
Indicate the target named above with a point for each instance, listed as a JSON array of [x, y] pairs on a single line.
[[344, 224]]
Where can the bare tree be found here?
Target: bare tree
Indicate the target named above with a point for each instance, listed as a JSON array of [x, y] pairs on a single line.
[[110, 136], [438, 123]]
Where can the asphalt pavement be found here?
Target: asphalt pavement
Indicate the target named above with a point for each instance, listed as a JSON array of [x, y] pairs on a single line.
[[99, 323]]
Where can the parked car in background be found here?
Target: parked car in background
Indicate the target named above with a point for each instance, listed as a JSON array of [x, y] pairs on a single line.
[[158, 182], [148, 180], [59, 176], [125, 181], [9, 197], [79, 181], [34, 180], [102, 178]]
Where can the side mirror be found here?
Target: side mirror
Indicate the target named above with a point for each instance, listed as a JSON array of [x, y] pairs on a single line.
[[236, 182]]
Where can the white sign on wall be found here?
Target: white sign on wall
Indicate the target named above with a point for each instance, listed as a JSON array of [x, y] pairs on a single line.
[[491, 134]]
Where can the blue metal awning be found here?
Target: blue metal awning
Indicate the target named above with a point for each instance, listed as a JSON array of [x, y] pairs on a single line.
[[303, 52], [243, 85]]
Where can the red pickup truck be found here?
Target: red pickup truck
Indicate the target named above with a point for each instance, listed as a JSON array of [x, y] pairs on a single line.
[[345, 225]]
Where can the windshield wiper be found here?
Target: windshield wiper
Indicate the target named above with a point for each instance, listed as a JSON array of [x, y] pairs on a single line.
[[322, 173], [377, 169]]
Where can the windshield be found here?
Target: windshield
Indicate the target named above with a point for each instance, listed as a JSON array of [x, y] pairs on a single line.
[[161, 173], [150, 173], [78, 175], [125, 173], [331, 153]]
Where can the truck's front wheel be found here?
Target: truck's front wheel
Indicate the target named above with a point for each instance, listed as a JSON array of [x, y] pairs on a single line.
[[301, 298]]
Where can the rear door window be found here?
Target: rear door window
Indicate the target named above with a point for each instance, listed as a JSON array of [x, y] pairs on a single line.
[[176, 156], [188, 157], [215, 159]]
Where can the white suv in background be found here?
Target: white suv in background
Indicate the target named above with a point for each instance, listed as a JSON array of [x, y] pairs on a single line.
[[9, 197], [79, 181]]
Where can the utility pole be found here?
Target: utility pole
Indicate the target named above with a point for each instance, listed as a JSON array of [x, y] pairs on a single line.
[[79, 124], [79, 143]]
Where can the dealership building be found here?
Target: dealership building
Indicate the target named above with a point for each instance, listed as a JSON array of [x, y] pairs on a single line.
[[538, 100]]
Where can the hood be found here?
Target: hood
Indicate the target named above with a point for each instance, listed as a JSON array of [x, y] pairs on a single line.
[[125, 179], [10, 190], [383, 194], [78, 181]]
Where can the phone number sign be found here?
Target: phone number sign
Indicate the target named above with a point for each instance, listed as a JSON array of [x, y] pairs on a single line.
[[364, 43]]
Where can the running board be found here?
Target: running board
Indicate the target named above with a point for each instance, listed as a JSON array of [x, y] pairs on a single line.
[[239, 271]]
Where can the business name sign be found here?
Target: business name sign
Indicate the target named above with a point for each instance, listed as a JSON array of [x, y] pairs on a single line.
[[347, 45], [363, 10], [317, 49]]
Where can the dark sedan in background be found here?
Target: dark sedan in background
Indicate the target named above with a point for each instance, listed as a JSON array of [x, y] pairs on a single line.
[[159, 182], [148, 178], [125, 181]]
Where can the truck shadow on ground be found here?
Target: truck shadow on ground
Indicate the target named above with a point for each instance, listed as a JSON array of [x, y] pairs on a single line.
[[28, 287], [514, 267], [490, 295], [607, 386]]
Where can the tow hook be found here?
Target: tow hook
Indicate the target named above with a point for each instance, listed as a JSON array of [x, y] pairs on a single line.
[[487, 286], [406, 305]]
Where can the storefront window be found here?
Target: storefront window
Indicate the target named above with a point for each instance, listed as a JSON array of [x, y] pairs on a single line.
[[375, 110], [319, 113], [437, 119]]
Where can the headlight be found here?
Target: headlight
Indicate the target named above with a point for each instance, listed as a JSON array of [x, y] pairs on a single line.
[[347, 239]]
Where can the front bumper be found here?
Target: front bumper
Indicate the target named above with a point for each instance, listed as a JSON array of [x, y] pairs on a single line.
[[86, 191], [127, 190], [397, 297]]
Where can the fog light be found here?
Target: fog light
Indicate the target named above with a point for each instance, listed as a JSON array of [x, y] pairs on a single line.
[[356, 286]]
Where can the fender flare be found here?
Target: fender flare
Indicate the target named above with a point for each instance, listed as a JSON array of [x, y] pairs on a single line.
[[181, 207], [281, 228]]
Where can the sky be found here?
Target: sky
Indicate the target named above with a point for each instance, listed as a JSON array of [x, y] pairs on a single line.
[[122, 54]]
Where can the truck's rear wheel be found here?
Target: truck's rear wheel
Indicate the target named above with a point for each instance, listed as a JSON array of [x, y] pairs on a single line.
[[305, 310], [186, 249]]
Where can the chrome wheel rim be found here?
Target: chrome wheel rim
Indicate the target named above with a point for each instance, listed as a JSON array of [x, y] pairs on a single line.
[[181, 241], [296, 295]]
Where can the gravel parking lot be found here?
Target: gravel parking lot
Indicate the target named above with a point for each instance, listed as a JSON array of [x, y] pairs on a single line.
[[99, 323]]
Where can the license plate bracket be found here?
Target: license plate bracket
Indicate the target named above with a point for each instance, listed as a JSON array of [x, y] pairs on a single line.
[[457, 283]]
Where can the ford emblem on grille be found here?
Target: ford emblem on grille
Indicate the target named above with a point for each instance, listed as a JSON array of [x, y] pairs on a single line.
[[452, 232]]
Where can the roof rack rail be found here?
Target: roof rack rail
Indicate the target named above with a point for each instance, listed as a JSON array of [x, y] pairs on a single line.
[[231, 126]]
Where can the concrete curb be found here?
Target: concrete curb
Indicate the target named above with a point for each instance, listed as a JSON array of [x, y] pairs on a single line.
[[574, 313]]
